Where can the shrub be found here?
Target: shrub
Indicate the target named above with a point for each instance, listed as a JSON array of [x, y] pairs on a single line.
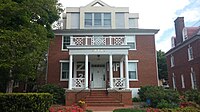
[[57, 92], [193, 95], [25, 102], [135, 99], [186, 109], [156, 94]]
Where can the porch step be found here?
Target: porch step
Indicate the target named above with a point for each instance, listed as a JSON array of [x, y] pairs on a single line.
[[100, 98]]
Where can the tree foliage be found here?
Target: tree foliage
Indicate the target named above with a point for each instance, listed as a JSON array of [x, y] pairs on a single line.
[[162, 65], [25, 30]]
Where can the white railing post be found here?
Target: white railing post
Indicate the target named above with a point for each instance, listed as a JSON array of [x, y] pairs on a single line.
[[86, 40], [126, 71], [70, 72], [111, 71], [86, 71], [110, 39]]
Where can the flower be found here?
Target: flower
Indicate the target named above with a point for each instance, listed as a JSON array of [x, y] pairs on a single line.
[[81, 103]]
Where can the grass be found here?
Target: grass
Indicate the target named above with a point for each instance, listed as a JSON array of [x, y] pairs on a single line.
[[128, 110]]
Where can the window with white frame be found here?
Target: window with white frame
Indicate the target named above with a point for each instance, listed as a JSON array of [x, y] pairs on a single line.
[[131, 42], [98, 20], [120, 20], [190, 53], [75, 20], [65, 42], [172, 60], [182, 81], [173, 81], [132, 70], [64, 71], [132, 23], [193, 79]]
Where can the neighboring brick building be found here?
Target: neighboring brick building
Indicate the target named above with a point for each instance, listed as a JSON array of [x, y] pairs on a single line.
[[101, 48], [183, 59]]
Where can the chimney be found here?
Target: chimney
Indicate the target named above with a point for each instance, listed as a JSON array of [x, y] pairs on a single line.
[[179, 25]]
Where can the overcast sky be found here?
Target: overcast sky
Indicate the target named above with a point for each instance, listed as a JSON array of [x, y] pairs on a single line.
[[155, 14]]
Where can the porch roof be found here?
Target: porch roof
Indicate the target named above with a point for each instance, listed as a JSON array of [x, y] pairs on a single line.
[[106, 31]]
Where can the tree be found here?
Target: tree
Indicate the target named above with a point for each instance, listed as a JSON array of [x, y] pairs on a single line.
[[162, 65], [25, 30]]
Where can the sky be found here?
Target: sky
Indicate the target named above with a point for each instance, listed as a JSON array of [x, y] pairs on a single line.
[[155, 14]]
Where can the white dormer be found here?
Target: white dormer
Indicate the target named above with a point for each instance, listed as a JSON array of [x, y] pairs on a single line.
[[185, 34], [99, 15]]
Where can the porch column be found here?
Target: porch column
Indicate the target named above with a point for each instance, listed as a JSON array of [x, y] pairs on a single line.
[[86, 71], [121, 69], [70, 72], [111, 71], [126, 71]]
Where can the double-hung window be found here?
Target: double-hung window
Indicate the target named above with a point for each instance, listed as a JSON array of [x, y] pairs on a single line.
[[131, 42], [132, 70], [88, 19], [65, 42], [97, 20], [190, 53], [172, 60], [64, 71], [193, 79]]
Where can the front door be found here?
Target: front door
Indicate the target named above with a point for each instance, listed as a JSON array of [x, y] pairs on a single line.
[[98, 76]]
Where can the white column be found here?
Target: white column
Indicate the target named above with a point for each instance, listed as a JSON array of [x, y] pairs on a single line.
[[126, 71], [111, 71], [121, 69], [71, 40], [86, 71], [86, 40], [70, 72], [110, 40]]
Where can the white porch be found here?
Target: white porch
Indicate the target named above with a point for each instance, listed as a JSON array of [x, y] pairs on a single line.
[[96, 71]]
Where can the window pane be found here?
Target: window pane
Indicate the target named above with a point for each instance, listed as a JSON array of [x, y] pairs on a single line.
[[107, 16], [120, 20], [132, 74], [64, 75], [88, 19], [97, 19], [66, 41], [107, 19], [75, 20], [65, 66]]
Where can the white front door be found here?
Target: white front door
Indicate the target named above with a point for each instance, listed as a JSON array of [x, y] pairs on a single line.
[[98, 76]]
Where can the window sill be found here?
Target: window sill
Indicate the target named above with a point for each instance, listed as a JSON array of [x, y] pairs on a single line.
[[64, 79], [133, 80], [64, 50], [190, 59]]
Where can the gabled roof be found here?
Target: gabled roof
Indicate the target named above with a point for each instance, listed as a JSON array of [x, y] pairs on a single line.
[[97, 3], [193, 33]]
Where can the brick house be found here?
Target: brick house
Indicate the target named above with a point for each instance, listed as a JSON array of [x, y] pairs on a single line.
[[100, 49], [183, 59]]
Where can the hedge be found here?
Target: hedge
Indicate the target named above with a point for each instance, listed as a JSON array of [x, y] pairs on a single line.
[[25, 102]]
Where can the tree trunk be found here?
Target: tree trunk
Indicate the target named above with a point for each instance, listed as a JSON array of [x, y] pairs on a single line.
[[9, 88]]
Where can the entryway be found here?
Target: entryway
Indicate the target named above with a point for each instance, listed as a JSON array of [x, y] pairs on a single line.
[[98, 76]]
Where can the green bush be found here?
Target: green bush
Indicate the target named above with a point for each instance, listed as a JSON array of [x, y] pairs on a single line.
[[135, 99], [193, 95], [57, 92], [25, 102], [186, 109], [156, 94]]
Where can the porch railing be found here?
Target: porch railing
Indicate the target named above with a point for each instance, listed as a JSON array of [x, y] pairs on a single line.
[[119, 82], [109, 40], [78, 82]]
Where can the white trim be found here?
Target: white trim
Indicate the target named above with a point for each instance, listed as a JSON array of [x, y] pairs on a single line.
[[173, 81], [61, 63], [62, 43], [134, 61], [104, 33]]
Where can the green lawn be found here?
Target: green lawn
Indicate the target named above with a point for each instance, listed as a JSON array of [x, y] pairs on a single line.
[[128, 110]]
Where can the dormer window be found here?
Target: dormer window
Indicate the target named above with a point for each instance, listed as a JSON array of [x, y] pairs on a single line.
[[97, 20], [185, 35]]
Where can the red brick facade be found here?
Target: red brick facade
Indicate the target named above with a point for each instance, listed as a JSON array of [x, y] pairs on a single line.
[[145, 53], [182, 65]]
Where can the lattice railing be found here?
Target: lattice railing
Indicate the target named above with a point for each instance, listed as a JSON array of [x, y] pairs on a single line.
[[78, 82], [107, 40], [119, 82]]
